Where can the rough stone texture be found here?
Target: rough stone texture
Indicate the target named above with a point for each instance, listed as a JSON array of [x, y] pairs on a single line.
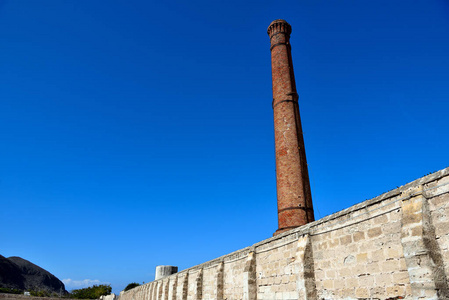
[[233, 275], [249, 277], [213, 282], [195, 284], [292, 177], [304, 267], [395, 245], [422, 252]]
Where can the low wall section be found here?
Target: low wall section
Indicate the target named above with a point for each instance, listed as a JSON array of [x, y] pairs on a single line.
[[395, 246]]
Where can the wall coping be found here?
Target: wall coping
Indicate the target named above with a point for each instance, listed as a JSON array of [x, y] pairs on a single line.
[[362, 205]]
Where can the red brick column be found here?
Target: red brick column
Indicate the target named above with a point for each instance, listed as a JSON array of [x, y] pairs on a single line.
[[292, 177]]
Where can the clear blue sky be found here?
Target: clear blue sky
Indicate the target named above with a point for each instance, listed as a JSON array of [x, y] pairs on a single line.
[[139, 133]]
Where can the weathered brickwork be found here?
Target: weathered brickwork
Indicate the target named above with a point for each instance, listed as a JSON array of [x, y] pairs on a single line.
[[292, 176], [395, 245]]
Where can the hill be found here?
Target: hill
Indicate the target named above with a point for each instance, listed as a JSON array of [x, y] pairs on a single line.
[[18, 273]]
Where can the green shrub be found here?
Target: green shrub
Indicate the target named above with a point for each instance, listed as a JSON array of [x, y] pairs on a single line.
[[40, 293], [131, 286], [93, 292], [10, 291]]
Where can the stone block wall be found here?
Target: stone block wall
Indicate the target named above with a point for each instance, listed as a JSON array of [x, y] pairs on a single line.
[[395, 246]]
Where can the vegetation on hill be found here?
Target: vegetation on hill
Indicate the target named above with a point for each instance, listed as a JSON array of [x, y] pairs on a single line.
[[10, 291], [93, 292]]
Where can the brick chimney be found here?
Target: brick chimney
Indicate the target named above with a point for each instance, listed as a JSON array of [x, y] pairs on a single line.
[[292, 177]]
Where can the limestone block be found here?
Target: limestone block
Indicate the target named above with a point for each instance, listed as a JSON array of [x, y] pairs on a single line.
[[305, 269], [422, 254], [249, 278]]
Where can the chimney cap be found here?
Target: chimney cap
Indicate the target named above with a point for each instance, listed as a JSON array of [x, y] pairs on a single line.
[[279, 25], [278, 21]]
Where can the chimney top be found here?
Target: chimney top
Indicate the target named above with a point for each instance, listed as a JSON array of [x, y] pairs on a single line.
[[278, 26]]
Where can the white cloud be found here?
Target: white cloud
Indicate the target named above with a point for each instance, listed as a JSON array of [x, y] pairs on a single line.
[[71, 284]]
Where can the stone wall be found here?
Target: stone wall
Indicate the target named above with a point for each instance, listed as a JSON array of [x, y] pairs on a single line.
[[395, 246]]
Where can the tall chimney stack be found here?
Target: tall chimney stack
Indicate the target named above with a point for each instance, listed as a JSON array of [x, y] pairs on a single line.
[[292, 177]]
